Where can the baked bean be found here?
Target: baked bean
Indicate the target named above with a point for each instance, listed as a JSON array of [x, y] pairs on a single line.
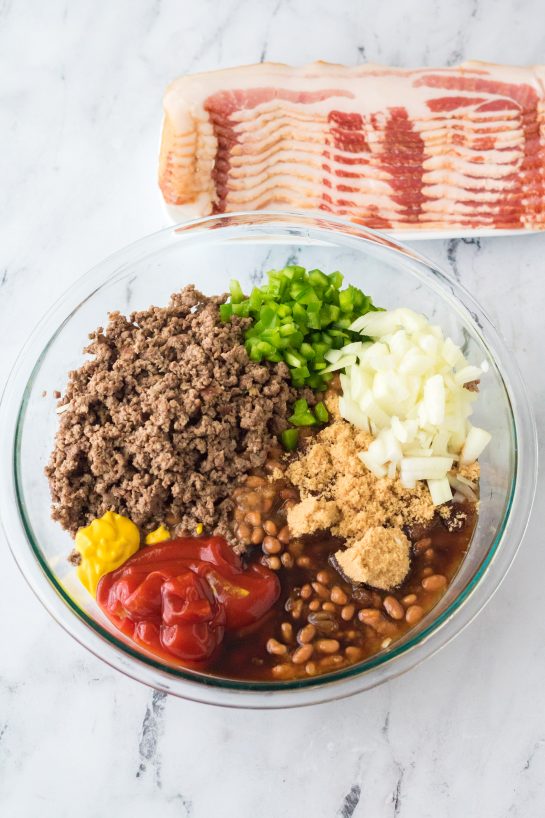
[[252, 500], [369, 616], [429, 553], [421, 545], [311, 668], [386, 642], [239, 491], [286, 628], [427, 572], [272, 465], [302, 654], [270, 527], [274, 563], [282, 671], [338, 596], [331, 661], [328, 645], [284, 535], [267, 504], [353, 653], [240, 515], [320, 589], [348, 612], [314, 605], [435, 582], [253, 481], [275, 647], [303, 562], [324, 577], [324, 622], [306, 634], [351, 634], [393, 608], [297, 607], [306, 591], [414, 614], [329, 606], [253, 518], [244, 532], [410, 599], [271, 545], [287, 560], [257, 535]]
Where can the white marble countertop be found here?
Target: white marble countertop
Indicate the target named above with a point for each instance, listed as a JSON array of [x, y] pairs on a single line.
[[464, 734]]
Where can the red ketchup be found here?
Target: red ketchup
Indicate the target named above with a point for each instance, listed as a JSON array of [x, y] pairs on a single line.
[[178, 598]]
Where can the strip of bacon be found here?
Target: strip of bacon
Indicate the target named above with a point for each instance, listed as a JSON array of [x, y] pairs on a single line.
[[442, 149]]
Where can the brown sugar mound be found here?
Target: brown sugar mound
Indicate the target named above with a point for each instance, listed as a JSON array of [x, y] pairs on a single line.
[[336, 486], [331, 470], [381, 558], [312, 514], [167, 416]]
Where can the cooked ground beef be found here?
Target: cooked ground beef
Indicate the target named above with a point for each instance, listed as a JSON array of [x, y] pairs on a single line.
[[165, 419]]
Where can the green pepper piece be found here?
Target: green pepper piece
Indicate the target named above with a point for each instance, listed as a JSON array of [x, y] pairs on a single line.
[[313, 315], [256, 299], [318, 279], [294, 359], [307, 350], [336, 279], [241, 308], [226, 311], [346, 300], [236, 291], [321, 412], [303, 419], [289, 439]]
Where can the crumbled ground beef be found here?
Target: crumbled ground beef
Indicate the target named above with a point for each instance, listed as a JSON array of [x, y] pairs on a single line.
[[165, 419]]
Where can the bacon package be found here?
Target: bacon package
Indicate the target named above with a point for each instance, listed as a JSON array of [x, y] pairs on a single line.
[[448, 150]]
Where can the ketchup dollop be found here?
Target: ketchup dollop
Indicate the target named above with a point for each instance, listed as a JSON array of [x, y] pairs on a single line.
[[178, 598]]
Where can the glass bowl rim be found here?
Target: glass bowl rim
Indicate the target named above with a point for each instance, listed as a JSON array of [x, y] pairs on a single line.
[[282, 220]]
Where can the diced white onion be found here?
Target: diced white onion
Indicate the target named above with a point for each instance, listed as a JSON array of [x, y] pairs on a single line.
[[440, 491], [475, 442], [378, 471], [467, 374], [343, 362], [408, 388], [461, 486], [426, 468]]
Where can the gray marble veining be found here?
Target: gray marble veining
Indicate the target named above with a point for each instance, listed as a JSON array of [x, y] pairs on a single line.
[[462, 736]]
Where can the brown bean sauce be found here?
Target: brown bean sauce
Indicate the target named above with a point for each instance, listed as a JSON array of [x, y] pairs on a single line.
[[347, 623]]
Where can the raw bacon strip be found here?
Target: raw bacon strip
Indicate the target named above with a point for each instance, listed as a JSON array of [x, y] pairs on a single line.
[[450, 148]]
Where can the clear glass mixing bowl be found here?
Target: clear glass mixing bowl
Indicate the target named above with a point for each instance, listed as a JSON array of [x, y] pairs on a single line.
[[209, 252]]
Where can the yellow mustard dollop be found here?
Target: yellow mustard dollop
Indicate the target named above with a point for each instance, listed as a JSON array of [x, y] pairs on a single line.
[[104, 545], [159, 535]]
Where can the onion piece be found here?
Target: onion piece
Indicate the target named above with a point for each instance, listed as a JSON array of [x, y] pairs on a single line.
[[467, 374], [343, 362], [425, 468], [378, 470], [440, 491], [476, 441], [461, 486]]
